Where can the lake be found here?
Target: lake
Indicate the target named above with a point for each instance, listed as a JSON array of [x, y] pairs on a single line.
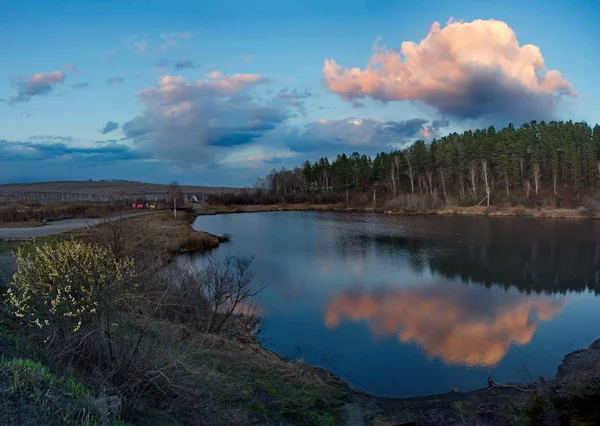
[[411, 305]]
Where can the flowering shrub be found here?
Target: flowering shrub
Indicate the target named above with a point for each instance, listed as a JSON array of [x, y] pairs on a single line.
[[66, 285]]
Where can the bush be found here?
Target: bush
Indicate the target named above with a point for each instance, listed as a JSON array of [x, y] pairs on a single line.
[[66, 285], [111, 321]]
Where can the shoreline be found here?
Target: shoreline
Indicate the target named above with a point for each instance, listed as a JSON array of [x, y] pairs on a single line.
[[496, 405], [492, 211]]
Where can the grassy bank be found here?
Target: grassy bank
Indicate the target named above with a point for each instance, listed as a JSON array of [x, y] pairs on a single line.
[[542, 213], [194, 375], [199, 376]]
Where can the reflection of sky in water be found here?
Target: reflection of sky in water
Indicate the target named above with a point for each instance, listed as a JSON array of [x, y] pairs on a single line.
[[459, 324], [397, 306]]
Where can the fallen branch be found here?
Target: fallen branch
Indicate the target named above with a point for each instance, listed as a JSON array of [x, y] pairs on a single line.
[[492, 385]]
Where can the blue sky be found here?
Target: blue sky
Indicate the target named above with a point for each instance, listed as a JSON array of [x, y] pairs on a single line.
[[219, 93]]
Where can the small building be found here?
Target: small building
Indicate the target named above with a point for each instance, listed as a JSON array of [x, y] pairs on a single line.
[[194, 199]]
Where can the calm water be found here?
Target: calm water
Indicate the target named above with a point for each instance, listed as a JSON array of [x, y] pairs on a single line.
[[405, 306]]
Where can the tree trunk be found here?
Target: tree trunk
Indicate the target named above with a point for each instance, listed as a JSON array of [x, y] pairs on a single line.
[[536, 177], [443, 180], [462, 187], [393, 178], [410, 172], [429, 175], [473, 180], [485, 174]]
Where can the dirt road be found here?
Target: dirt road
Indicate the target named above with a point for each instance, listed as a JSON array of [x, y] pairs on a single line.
[[52, 228]]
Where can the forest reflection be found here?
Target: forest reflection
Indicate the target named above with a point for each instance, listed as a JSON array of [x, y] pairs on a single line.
[[457, 323], [545, 258]]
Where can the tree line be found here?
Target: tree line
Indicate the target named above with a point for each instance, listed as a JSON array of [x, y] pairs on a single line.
[[484, 165]]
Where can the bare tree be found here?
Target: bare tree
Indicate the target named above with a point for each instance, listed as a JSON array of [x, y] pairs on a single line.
[[409, 171], [396, 164], [392, 179], [429, 175], [176, 196], [485, 174], [226, 287], [473, 179], [527, 187], [443, 179], [536, 177], [461, 190], [522, 168]]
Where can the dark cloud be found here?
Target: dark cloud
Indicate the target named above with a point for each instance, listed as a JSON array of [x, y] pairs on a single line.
[[115, 80], [355, 134], [191, 123], [14, 151], [25, 162], [109, 127], [83, 85], [50, 138], [183, 63], [295, 94], [177, 64], [38, 84], [163, 62]]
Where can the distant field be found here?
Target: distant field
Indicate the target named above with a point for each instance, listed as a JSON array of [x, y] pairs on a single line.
[[76, 191]]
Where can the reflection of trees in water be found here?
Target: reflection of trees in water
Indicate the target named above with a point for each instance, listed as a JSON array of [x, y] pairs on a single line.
[[529, 256], [459, 324]]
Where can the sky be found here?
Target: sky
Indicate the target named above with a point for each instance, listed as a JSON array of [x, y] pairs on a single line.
[[220, 93]]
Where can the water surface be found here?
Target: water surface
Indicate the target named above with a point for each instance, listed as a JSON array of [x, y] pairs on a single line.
[[405, 306]]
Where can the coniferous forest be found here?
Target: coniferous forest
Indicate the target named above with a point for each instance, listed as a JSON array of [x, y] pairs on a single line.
[[553, 164]]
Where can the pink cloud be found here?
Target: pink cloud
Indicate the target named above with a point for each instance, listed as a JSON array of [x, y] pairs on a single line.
[[173, 88], [71, 67], [464, 69], [38, 84]]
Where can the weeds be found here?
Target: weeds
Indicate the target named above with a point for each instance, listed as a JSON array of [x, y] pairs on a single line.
[[31, 394]]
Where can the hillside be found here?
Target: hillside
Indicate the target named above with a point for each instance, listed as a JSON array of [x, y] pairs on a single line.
[[97, 191]]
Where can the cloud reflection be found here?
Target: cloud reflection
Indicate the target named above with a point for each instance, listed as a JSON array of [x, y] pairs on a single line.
[[457, 323]]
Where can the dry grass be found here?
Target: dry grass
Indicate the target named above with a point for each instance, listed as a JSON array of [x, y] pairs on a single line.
[[25, 215], [237, 381], [209, 209], [519, 210], [159, 233], [21, 224]]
